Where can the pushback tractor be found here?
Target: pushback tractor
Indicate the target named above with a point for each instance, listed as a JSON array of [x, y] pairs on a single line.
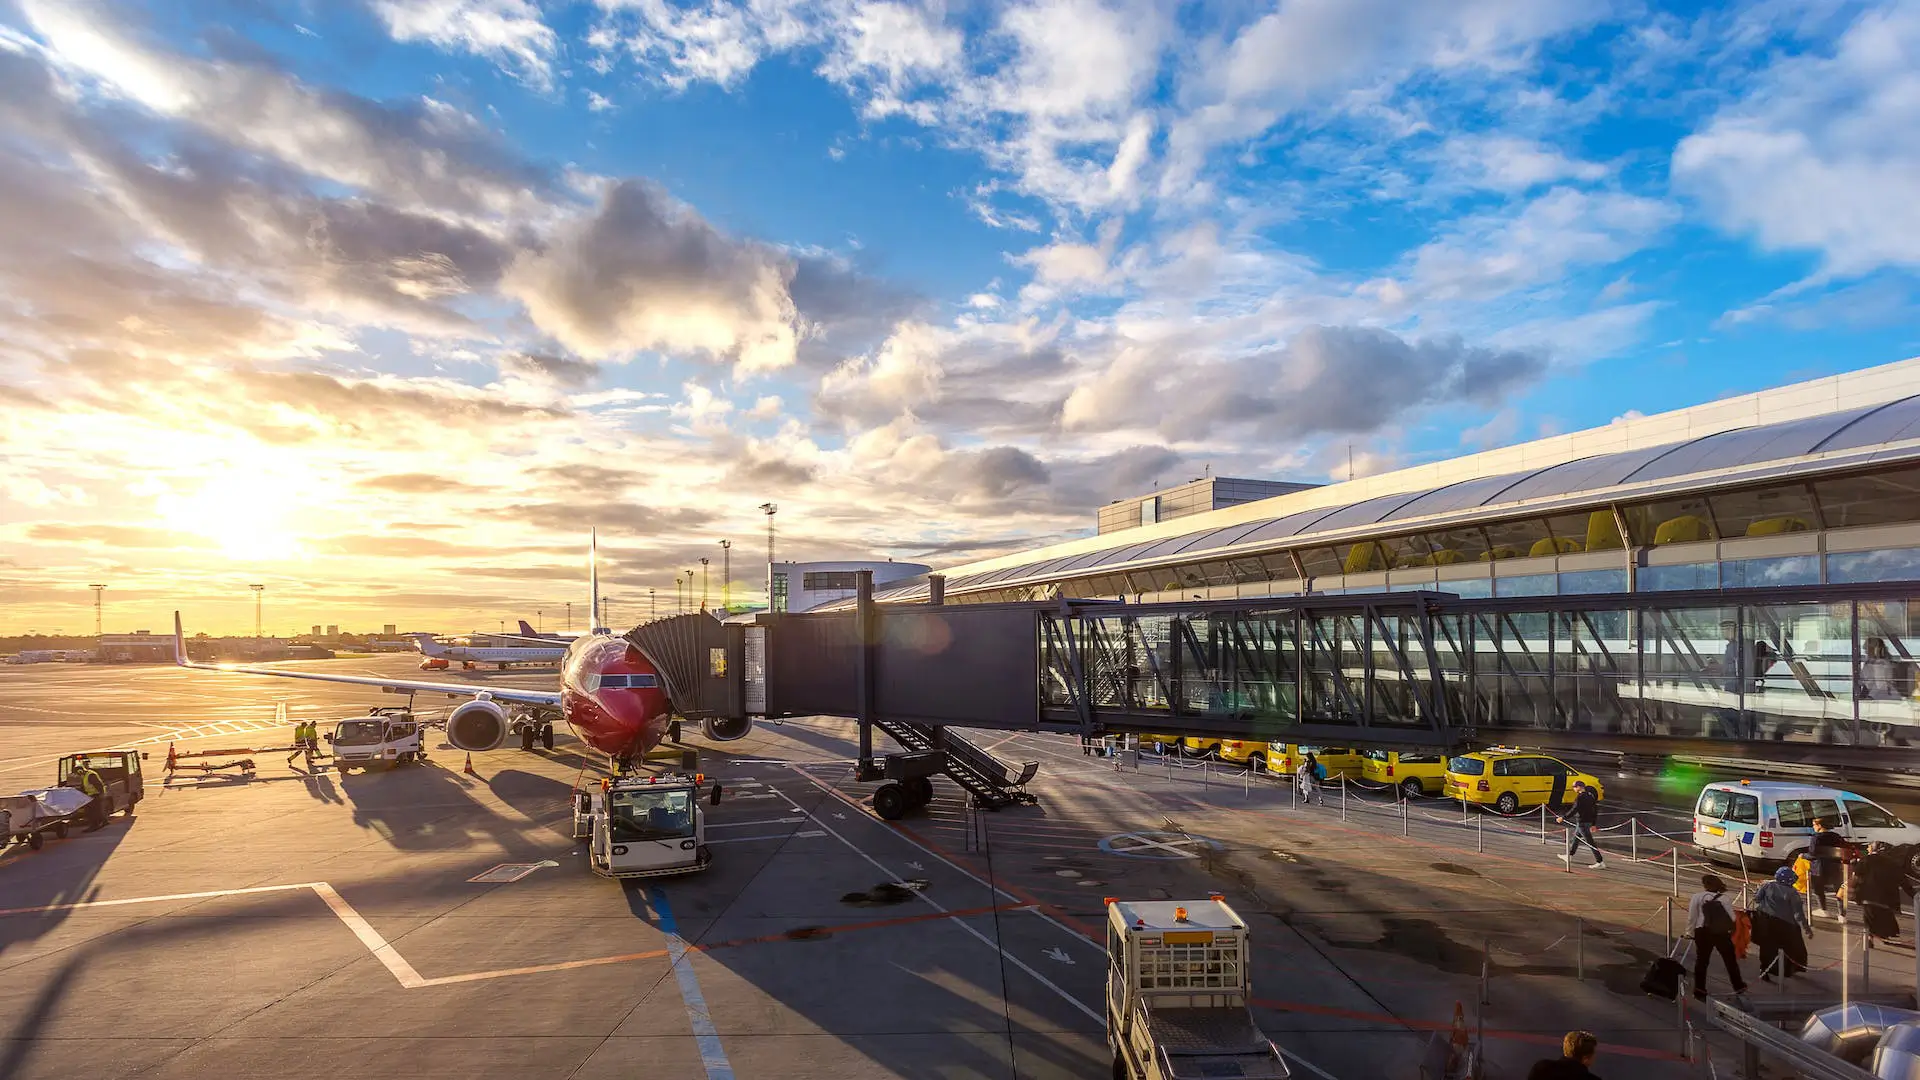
[[1177, 994], [645, 826]]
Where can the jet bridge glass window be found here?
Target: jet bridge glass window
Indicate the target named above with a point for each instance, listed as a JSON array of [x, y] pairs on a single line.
[[650, 815]]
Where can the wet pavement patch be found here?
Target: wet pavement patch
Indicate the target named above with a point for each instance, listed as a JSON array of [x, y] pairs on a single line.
[[1455, 868], [887, 892]]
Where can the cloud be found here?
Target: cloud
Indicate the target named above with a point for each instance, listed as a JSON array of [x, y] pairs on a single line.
[[643, 271], [116, 536], [561, 371], [401, 547], [418, 153], [1326, 380], [1823, 155], [414, 484], [508, 32], [1512, 164]]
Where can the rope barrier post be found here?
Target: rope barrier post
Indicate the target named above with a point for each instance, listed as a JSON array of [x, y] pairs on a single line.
[[1403, 821], [1206, 775], [1343, 796], [1479, 834], [1846, 953], [1634, 821], [1676, 869], [1463, 809], [1543, 823], [1669, 904], [1486, 968], [1579, 949]]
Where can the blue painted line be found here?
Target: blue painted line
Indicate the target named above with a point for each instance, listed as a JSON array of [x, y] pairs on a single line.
[[713, 1056]]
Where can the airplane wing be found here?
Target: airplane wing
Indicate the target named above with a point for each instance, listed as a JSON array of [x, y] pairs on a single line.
[[549, 698]]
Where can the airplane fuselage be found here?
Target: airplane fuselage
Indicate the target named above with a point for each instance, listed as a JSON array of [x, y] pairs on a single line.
[[612, 698]]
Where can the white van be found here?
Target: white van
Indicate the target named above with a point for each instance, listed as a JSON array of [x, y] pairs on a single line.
[[1771, 821]]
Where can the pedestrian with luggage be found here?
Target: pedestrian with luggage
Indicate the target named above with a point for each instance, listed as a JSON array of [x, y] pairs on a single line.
[[1577, 1051], [1307, 776], [1878, 880], [1779, 918], [1584, 815], [1710, 921], [1829, 855]]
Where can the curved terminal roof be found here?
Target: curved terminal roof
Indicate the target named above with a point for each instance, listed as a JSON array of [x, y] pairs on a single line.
[[1851, 437]]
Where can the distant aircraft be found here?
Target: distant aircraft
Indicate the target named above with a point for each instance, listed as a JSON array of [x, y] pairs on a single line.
[[529, 633], [438, 655], [609, 694]]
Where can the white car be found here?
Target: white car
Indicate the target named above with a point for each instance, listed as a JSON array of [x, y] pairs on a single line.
[[1764, 822]]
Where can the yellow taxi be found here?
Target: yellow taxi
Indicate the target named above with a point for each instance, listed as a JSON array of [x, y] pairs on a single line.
[[1510, 780], [1283, 757], [1193, 747], [1164, 742], [1413, 773]]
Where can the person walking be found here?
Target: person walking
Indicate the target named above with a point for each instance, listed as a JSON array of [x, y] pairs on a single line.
[[1307, 776], [1581, 819], [1829, 856], [1878, 880], [1779, 917], [1710, 921], [1577, 1051]]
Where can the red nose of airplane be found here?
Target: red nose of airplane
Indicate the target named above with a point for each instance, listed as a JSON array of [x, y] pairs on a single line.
[[624, 715]]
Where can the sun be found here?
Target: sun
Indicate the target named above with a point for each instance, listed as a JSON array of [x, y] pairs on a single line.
[[249, 516]]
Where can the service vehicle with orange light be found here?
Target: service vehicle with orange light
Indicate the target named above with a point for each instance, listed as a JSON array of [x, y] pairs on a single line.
[[641, 825], [1178, 993], [1762, 822]]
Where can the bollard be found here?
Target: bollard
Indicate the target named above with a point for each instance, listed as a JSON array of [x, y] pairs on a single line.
[[1403, 818], [1296, 792], [1206, 775], [1343, 796], [1676, 870], [1246, 784], [1783, 982], [1486, 965], [1846, 951], [1580, 949], [1543, 823], [1479, 835], [1634, 829], [1463, 808]]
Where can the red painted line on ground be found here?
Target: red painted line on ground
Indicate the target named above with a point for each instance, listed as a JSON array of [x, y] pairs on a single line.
[[1623, 1049]]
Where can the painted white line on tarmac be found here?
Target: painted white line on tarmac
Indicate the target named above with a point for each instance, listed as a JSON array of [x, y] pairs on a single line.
[[767, 836], [762, 821], [382, 951], [961, 923]]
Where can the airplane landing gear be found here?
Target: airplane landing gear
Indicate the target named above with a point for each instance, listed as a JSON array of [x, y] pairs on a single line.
[[673, 731]]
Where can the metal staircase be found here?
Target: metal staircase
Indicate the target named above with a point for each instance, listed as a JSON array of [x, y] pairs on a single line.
[[993, 783]]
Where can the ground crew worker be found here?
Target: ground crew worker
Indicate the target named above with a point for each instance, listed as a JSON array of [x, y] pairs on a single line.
[[89, 784]]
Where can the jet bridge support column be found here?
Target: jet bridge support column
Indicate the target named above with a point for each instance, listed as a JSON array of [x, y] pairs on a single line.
[[865, 631]]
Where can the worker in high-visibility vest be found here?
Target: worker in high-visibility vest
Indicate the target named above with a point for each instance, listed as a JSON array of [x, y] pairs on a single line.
[[89, 784]]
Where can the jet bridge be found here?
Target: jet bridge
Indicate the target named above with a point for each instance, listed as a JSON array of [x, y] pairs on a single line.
[[1810, 674]]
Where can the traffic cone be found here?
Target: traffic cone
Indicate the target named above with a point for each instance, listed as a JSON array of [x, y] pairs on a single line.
[[1459, 1052], [469, 769]]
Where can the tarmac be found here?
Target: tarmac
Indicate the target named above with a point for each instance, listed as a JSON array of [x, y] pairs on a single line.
[[295, 924]]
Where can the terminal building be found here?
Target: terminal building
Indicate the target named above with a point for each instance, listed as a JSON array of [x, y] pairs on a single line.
[[804, 586], [1741, 576]]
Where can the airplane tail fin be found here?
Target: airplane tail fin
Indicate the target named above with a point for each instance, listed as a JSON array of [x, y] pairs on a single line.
[[593, 580], [526, 630], [179, 642], [427, 646]]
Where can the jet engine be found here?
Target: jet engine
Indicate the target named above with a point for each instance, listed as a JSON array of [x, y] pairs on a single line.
[[479, 725], [726, 729]]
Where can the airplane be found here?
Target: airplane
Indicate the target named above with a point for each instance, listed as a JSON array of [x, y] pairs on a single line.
[[439, 655], [610, 695]]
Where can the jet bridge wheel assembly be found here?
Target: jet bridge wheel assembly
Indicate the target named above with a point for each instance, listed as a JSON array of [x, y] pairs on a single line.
[[893, 801]]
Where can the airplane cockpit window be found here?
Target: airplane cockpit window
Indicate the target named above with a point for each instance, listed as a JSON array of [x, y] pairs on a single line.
[[650, 815]]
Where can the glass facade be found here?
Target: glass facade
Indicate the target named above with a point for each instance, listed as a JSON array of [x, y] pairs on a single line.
[[1842, 673]]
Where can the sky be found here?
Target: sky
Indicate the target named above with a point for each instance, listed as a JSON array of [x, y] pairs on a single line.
[[383, 303]]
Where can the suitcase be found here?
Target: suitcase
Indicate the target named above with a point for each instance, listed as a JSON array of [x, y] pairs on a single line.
[[1663, 976]]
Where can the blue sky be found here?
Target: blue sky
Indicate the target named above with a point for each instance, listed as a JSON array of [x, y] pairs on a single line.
[[939, 278]]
